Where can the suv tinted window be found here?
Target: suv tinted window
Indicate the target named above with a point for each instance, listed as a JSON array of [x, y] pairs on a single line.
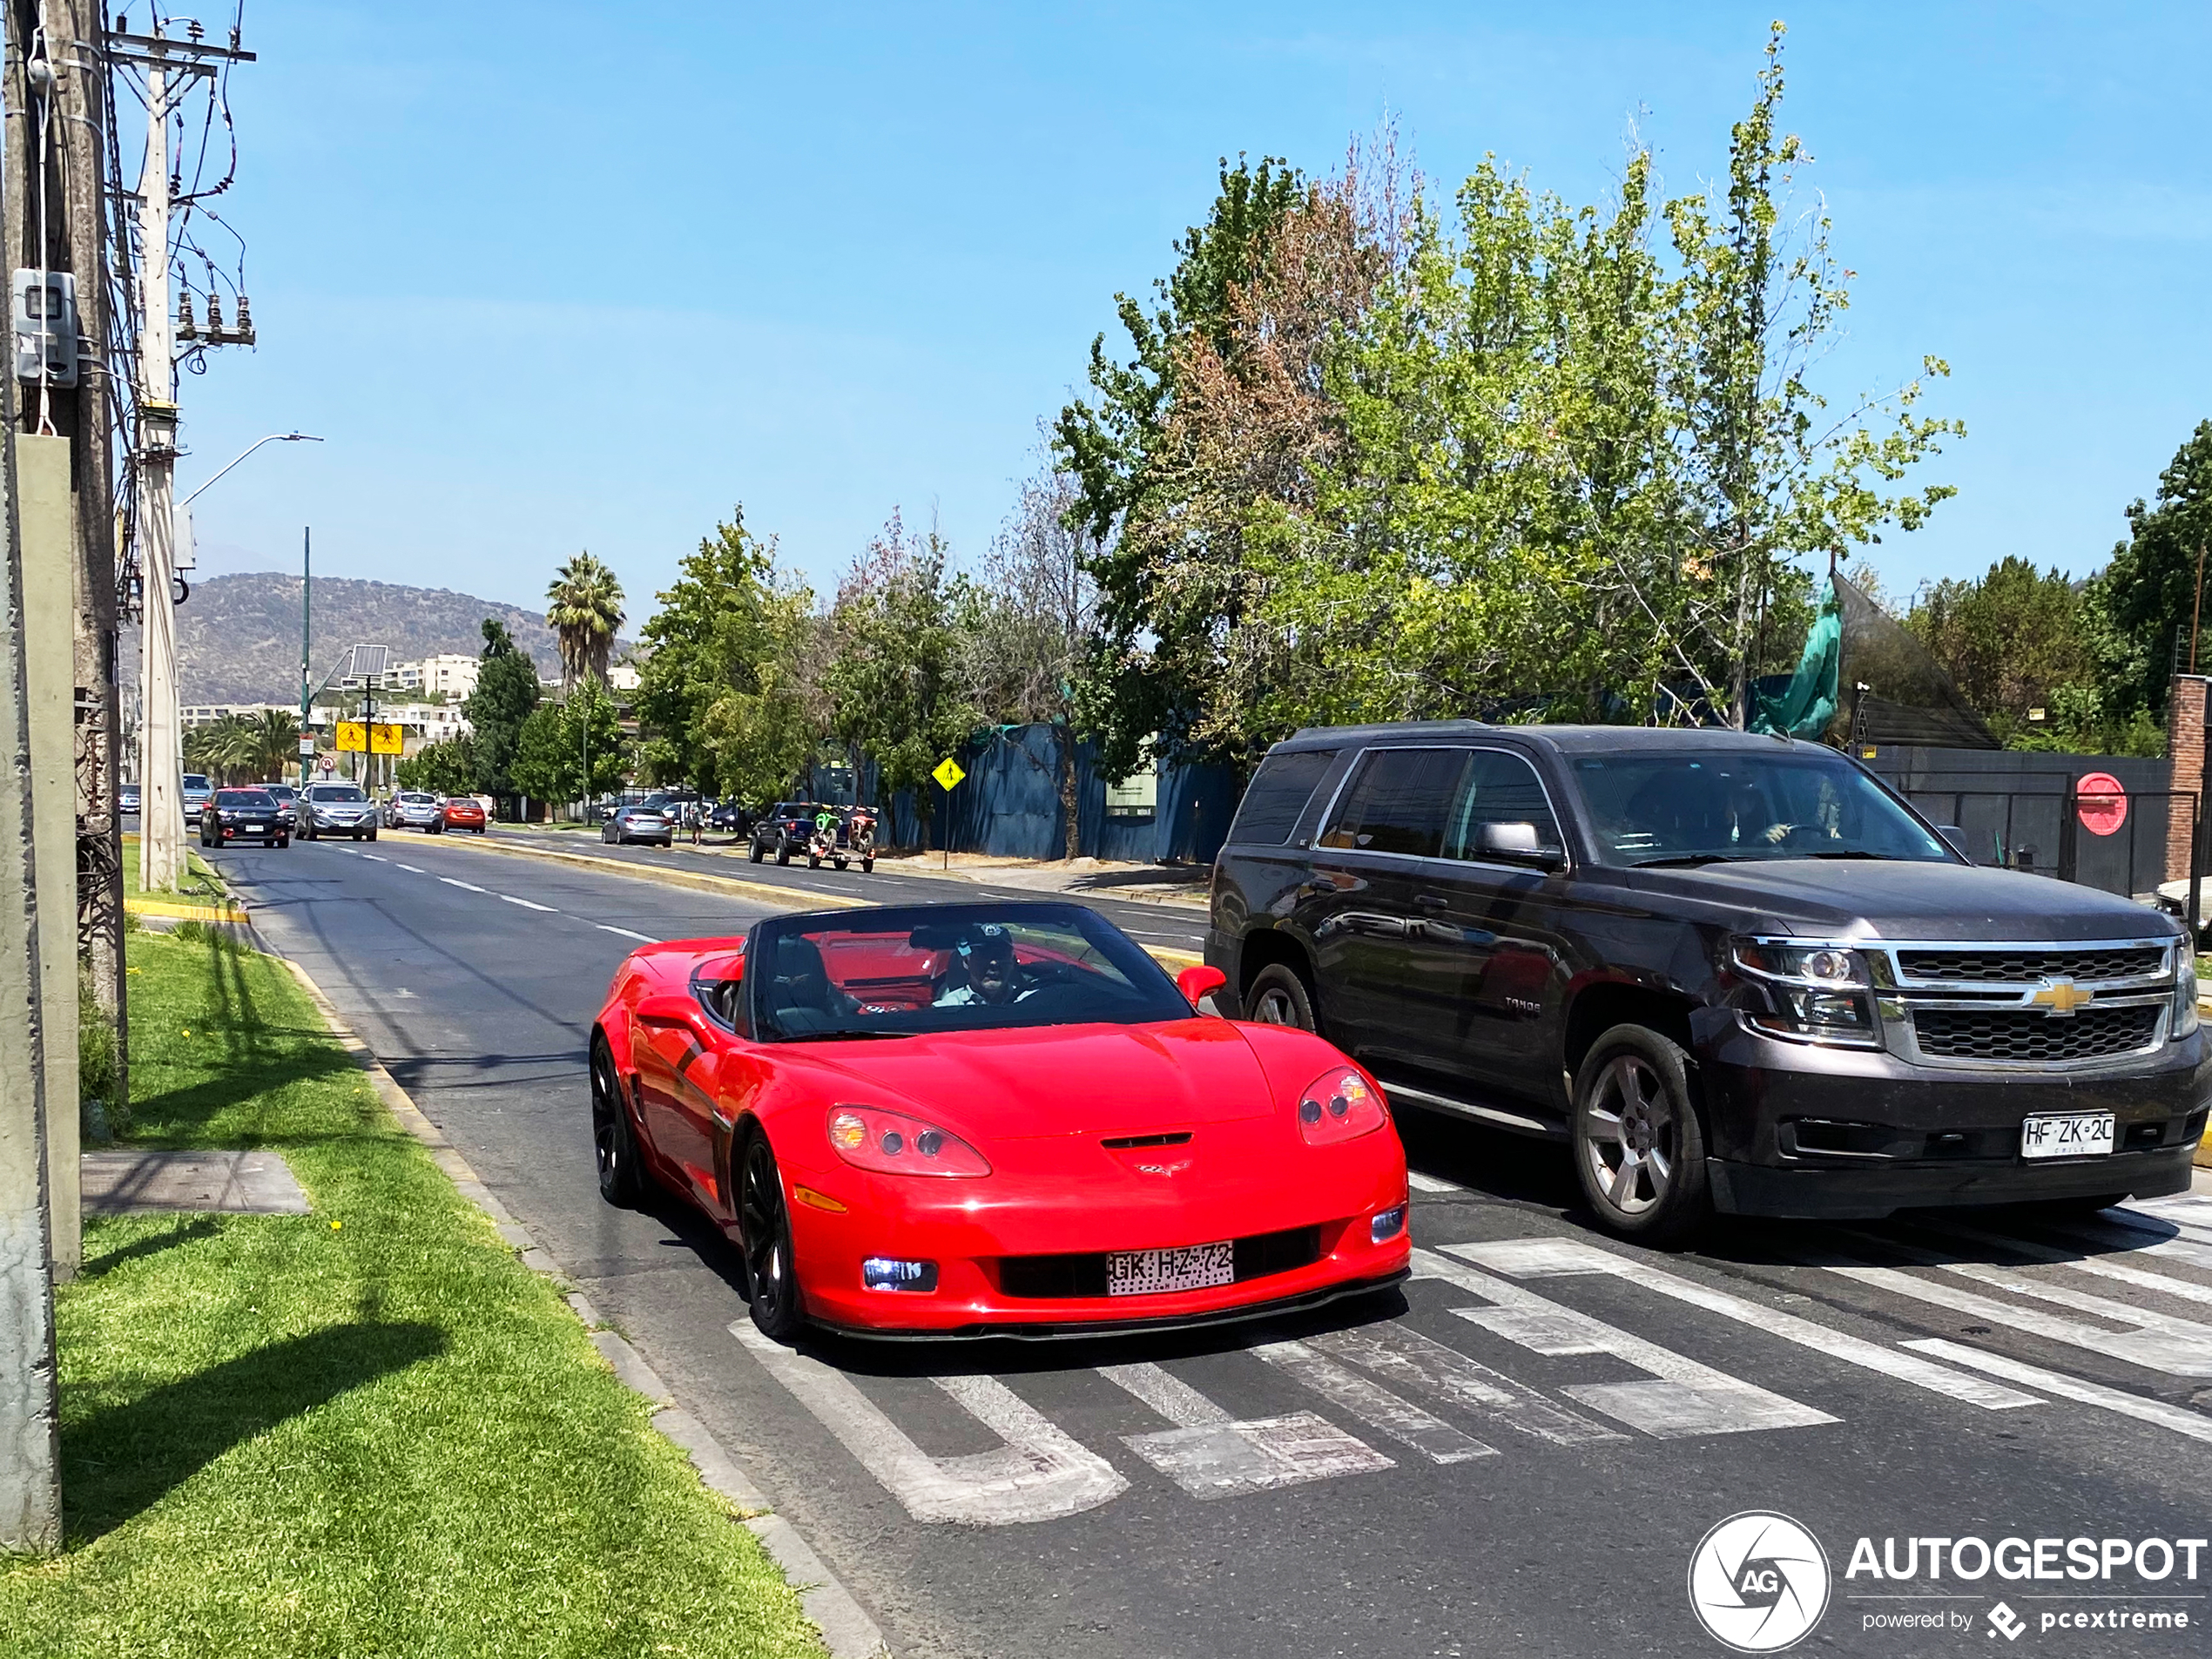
[[1279, 793], [1399, 801], [1500, 789], [336, 792]]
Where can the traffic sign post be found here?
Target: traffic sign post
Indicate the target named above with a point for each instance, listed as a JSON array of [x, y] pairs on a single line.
[[948, 773]]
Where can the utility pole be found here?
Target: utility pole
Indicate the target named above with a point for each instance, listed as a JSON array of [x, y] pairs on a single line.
[[161, 809], [30, 1498], [307, 622]]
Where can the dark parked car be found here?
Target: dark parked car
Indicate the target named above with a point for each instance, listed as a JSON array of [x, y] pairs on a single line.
[[730, 818], [1731, 972], [783, 830], [640, 823], [242, 815], [337, 809]]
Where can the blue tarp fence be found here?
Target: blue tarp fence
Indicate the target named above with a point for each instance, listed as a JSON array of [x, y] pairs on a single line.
[[1008, 804]]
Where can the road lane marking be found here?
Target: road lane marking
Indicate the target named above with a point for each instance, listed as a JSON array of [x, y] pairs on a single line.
[[1421, 1182], [2119, 1273], [2137, 1240], [1210, 1455], [2154, 1341], [526, 904], [409, 868], [377, 857], [1373, 1405], [1555, 1257], [1681, 1398], [470, 886], [643, 939], [1411, 1359], [2180, 1418], [1039, 1473]]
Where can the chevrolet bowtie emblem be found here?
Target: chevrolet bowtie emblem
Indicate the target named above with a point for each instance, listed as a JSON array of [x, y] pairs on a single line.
[[2063, 996]]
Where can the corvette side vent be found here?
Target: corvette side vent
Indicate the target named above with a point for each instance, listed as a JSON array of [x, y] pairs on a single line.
[[1118, 1143]]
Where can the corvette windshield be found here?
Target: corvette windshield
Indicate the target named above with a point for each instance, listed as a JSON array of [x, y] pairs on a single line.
[[901, 972], [1798, 802]]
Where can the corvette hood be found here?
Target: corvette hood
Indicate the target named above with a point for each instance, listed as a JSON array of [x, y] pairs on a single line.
[[1059, 1080]]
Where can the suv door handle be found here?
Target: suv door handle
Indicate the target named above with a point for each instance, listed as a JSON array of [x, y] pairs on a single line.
[[1432, 900]]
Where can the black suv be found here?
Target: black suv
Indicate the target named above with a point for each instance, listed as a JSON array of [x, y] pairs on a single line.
[[784, 829], [1732, 971]]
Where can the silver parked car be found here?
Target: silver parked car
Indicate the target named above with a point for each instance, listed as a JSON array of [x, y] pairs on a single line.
[[196, 791], [337, 809], [639, 824], [415, 809]]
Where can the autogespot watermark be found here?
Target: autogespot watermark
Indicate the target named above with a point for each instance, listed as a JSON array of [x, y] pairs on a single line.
[[1760, 1582]]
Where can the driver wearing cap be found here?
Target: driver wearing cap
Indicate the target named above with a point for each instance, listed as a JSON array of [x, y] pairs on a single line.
[[994, 975]]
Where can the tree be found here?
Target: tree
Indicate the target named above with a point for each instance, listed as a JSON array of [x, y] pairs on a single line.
[[2148, 593], [443, 768], [728, 695], [1032, 627], [894, 676], [1138, 683], [571, 750], [583, 608], [2009, 641], [507, 692]]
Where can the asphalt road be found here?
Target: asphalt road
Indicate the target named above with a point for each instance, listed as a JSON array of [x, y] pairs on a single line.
[[1518, 1455]]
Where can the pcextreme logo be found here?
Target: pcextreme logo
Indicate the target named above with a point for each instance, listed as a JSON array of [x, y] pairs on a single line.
[[1758, 1582]]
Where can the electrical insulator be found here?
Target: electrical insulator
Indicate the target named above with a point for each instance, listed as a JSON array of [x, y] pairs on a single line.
[[215, 316], [245, 334], [186, 328]]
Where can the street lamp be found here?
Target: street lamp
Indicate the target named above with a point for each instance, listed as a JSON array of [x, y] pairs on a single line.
[[274, 437]]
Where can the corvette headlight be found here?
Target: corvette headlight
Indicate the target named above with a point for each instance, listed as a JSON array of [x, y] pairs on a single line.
[[2185, 1020], [887, 1142], [1339, 1105]]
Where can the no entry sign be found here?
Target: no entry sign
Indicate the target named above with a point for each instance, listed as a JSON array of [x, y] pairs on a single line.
[[2101, 803]]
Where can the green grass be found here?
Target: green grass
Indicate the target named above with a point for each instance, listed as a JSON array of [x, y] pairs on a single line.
[[366, 1431], [200, 884]]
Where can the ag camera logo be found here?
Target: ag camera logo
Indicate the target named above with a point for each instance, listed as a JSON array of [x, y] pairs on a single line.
[[1758, 1582]]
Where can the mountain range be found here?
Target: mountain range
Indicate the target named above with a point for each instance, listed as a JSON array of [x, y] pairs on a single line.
[[237, 636]]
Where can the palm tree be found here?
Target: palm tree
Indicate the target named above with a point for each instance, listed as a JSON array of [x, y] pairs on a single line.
[[276, 736], [584, 610]]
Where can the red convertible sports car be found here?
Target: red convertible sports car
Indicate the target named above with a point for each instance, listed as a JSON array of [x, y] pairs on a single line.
[[990, 1119]]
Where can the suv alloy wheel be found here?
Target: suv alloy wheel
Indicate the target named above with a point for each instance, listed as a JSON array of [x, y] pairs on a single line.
[[1278, 995], [1639, 1143]]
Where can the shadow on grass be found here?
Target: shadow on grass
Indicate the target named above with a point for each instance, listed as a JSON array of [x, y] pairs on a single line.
[[203, 1228], [120, 1460]]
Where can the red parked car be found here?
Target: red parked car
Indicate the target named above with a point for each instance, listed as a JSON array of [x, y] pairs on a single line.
[[464, 812], [1003, 1119]]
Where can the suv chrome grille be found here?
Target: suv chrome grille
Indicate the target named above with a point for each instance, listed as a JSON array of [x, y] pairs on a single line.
[[1995, 965], [2024, 1036]]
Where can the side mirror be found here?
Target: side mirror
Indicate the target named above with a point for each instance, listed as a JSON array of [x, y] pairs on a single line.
[[1199, 983], [1516, 843], [668, 1010], [1956, 838]]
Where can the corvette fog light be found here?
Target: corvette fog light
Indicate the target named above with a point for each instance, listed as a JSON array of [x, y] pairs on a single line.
[[1388, 1224], [887, 1273]]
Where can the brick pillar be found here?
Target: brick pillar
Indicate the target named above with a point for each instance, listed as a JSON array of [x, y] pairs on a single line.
[[2185, 737]]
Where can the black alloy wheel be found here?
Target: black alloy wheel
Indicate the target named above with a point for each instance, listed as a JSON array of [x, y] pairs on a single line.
[[764, 1228], [1278, 995], [758, 852], [867, 866], [612, 1142], [783, 849]]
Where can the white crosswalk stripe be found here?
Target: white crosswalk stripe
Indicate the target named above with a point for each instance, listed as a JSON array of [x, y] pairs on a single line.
[[1210, 1454], [1374, 1404], [1412, 1360], [2179, 1419]]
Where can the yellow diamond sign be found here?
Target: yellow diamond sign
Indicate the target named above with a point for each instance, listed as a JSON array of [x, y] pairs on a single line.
[[948, 773], [353, 738]]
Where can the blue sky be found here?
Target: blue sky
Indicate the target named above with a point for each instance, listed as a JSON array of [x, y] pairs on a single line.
[[564, 276]]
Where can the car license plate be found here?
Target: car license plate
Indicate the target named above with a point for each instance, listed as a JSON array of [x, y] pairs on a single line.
[[1149, 1272], [2066, 1135]]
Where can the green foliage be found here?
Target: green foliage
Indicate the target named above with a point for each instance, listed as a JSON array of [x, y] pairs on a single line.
[[583, 608], [443, 768], [571, 750], [2008, 641], [506, 693], [245, 748], [2148, 592], [894, 675], [726, 694], [97, 1056]]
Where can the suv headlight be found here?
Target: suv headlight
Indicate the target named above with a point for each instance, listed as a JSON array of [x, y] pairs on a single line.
[[1815, 993], [2184, 1019]]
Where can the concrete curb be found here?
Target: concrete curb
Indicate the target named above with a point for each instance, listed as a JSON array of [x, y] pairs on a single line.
[[847, 1631]]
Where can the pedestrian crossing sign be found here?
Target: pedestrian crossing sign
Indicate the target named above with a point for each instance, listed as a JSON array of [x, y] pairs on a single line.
[[385, 739], [948, 772], [353, 737]]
